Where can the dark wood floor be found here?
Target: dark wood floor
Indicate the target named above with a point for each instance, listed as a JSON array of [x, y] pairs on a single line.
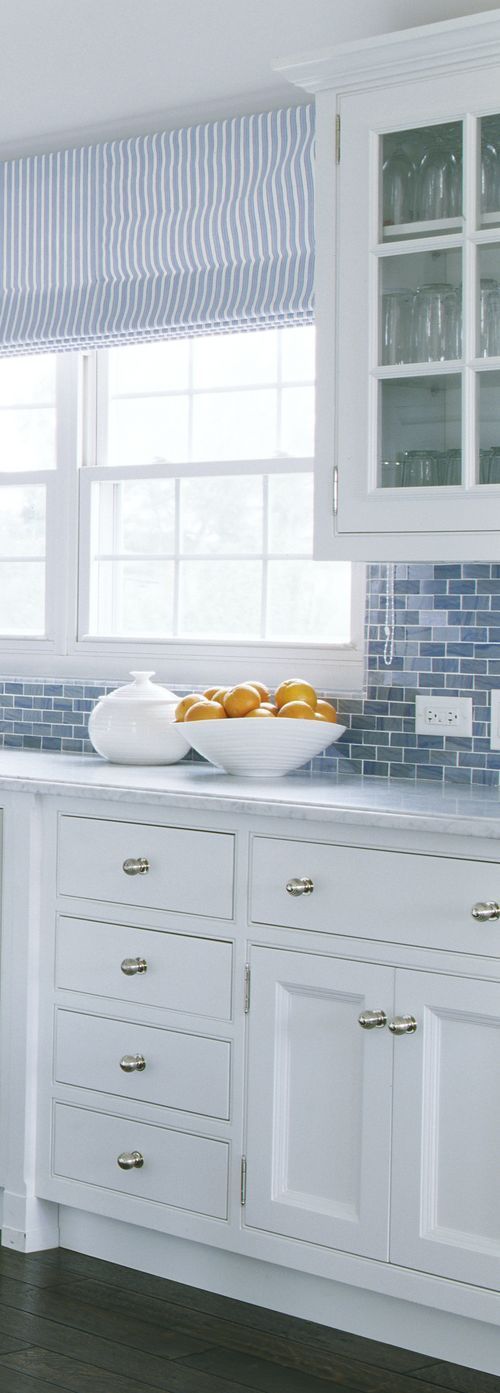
[[71, 1322]]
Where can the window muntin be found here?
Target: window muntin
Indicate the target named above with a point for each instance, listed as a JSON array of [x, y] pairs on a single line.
[[214, 545], [215, 553]]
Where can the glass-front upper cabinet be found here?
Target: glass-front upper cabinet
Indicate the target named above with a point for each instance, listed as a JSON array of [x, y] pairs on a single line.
[[408, 293]]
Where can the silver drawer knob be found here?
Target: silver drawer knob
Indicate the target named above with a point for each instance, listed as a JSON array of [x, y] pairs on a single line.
[[301, 886], [132, 1063], [485, 910], [370, 1019], [130, 1160], [403, 1025], [131, 966], [136, 865]]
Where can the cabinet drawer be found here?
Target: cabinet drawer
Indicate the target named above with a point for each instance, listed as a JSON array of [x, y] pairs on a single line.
[[182, 972], [188, 872], [180, 1169], [186, 1072], [404, 897]]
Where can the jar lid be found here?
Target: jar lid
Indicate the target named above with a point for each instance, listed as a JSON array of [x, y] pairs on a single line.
[[141, 689]]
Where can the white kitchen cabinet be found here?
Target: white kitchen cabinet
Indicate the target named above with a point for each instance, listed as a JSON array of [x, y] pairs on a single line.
[[407, 293], [331, 1153], [445, 1210], [273, 1129], [319, 1101]]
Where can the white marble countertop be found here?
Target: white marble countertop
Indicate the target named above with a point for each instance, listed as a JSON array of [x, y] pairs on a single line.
[[317, 798]]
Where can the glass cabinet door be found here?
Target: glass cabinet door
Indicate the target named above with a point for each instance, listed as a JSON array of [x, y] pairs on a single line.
[[425, 267]]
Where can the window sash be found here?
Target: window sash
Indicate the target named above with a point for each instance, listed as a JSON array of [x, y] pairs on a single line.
[[67, 648]]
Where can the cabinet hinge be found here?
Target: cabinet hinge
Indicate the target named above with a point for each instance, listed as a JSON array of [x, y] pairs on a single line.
[[246, 996], [337, 139], [335, 491], [243, 1180]]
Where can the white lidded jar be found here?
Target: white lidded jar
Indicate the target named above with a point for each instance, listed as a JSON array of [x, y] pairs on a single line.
[[136, 724]]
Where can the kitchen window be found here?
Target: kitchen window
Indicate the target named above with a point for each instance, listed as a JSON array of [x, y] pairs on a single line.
[[185, 537]]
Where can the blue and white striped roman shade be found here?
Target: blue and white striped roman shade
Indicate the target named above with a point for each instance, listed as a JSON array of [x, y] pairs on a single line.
[[183, 232]]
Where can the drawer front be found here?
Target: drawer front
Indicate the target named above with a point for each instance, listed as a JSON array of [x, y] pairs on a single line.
[[176, 1070], [399, 896], [188, 872], [183, 973], [180, 1169]]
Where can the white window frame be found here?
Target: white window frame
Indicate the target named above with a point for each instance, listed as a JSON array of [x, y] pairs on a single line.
[[68, 650]]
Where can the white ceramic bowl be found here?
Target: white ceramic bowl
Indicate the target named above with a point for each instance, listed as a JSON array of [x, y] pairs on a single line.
[[261, 749]]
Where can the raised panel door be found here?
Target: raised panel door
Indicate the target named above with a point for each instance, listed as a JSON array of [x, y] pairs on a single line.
[[445, 1211], [319, 1101]]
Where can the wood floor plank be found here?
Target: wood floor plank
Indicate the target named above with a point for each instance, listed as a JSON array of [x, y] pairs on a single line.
[[289, 1328], [64, 1309], [60, 1371], [460, 1380], [351, 1376], [14, 1382], [114, 1356]]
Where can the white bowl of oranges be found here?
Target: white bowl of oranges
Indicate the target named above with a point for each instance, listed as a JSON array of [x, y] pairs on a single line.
[[246, 731]]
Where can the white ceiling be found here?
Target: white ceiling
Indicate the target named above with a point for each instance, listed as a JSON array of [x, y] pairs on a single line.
[[71, 70]]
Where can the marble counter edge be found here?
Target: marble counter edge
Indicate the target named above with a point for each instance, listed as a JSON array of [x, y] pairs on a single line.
[[294, 804]]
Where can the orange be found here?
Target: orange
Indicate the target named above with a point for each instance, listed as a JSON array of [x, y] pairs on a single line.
[[294, 689], [301, 710], [261, 689], [210, 692], [260, 711], [183, 706], [326, 710], [268, 706], [219, 694], [240, 700], [206, 711]]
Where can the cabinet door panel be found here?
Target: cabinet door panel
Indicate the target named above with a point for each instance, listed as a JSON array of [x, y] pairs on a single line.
[[319, 1101], [446, 1191]]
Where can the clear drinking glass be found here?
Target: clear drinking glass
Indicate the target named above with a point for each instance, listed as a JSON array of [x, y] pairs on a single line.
[[491, 322], [493, 472], [486, 284], [436, 324], [392, 473], [397, 183], [490, 176], [396, 326], [421, 469], [450, 467], [438, 191]]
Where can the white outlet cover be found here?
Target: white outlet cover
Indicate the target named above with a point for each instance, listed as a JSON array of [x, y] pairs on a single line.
[[495, 721], [450, 715]]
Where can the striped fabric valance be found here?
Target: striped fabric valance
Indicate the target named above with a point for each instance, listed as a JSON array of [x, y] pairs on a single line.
[[193, 230]]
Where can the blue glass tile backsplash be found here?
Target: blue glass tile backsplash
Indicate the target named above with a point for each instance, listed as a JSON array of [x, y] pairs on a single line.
[[446, 639]]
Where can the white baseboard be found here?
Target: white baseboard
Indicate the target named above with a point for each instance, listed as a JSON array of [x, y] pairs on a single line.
[[29, 1225], [442, 1335]]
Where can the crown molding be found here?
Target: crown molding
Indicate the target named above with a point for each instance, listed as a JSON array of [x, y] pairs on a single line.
[[454, 45]]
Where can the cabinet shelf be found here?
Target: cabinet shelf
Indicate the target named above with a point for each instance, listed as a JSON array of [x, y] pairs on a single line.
[[428, 228]]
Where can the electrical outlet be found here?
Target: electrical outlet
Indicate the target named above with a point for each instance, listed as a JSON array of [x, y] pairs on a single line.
[[443, 715], [495, 721]]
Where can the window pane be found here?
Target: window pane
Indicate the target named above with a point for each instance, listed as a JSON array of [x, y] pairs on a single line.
[[132, 599], [235, 360], [291, 513], [235, 425], [135, 516], [27, 439], [28, 380], [22, 597], [309, 600], [220, 599], [297, 354], [22, 521], [221, 515], [149, 367], [150, 430], [297, 422]]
